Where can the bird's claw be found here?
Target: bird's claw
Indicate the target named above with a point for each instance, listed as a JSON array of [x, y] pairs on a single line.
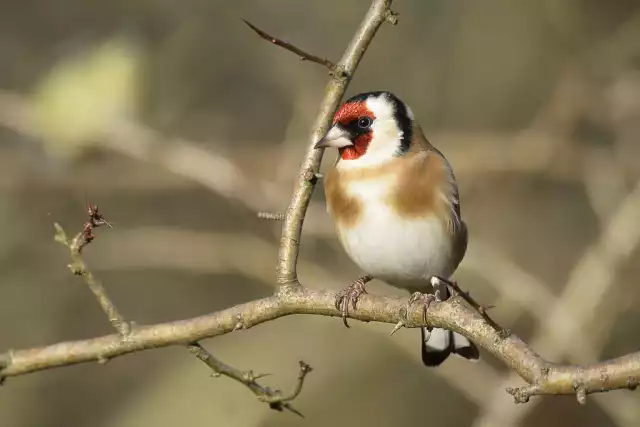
[[350, 295], [427, 299]]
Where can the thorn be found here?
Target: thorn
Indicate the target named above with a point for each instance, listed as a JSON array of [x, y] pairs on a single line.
[[396, 328], [258, 376], [102, 360], [248, 376], [484, 308], [292, 409], [61, 235]]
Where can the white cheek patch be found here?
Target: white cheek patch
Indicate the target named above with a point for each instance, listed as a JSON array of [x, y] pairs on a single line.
[[380, 107], [386, 136]]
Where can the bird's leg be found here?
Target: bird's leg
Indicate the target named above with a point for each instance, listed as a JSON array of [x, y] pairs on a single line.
[[350, 295], [482, 309], [426, 299]]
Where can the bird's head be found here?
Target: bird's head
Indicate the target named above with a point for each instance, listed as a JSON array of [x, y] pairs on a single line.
[[370, 129]]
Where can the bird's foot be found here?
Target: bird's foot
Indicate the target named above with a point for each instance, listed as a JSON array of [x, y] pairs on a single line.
[[455, 290], [443, 285], [350, 295], [426, 299]]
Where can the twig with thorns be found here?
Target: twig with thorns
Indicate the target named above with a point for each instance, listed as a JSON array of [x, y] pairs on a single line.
[[304, 56], [482, 309], [95, 220], [79, 267], [275, 398]]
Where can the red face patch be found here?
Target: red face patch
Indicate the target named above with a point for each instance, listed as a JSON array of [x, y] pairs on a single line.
[[352, 111], [347, 115]]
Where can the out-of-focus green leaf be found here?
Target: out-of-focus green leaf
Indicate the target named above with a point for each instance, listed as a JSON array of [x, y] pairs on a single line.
[[84, 94]]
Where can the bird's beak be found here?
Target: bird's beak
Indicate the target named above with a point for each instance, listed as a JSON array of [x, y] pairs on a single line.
[[337, 137]]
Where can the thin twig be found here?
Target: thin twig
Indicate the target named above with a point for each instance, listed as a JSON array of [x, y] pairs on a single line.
[[79, 267], [286, 274], [304, 56], [274, 398]]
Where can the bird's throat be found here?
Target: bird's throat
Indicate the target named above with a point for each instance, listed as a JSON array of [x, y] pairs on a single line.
[[357, 150]]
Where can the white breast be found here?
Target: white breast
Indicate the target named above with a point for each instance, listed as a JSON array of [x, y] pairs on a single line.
[[393, 249]]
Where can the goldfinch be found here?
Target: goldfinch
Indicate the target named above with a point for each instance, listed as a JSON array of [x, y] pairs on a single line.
[[394, 201]]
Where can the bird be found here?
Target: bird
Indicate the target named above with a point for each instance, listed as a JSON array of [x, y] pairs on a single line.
[[394, 202]]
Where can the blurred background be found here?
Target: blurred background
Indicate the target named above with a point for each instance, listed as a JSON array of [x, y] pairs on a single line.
[[181, 124]]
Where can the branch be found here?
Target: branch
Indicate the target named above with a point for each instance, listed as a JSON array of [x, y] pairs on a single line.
[[585, 279], [544, 377], [479, 307], [274, 398], [79, 267], [341, 74], [304, 56], [343, 71]]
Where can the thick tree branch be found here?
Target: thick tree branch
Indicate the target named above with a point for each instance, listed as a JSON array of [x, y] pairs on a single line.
[[543, 376], [378, 13]]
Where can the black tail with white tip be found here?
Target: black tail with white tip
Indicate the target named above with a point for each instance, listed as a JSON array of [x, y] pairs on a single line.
[[438, 344]]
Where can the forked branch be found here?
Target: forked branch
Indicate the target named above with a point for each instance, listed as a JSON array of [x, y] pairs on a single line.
[[379, 12], [275, 398], [543, 376]]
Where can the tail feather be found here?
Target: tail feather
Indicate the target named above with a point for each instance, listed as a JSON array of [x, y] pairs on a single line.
[[438, 344], [464, 348]]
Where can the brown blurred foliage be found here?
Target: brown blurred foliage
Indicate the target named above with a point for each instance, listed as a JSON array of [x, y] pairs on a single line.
[[180, 124]]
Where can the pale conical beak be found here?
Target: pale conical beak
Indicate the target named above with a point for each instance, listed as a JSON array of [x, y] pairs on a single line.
[[337, 137]]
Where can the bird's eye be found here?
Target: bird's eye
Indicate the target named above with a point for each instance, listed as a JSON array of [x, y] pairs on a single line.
[[364, 122]]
